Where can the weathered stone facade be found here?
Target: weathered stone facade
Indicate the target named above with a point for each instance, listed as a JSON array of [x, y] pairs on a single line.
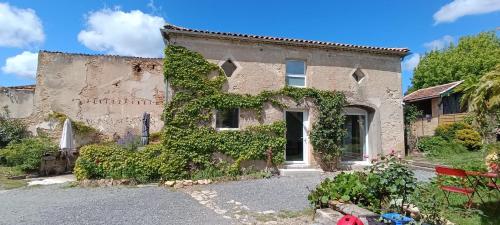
[[17, 102], [109, 93], [261, 66]]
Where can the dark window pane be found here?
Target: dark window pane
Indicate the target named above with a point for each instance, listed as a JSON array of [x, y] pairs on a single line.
[[229, 67], [451, 104], [227, 118]]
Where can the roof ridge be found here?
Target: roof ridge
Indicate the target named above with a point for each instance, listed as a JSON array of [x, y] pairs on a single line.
[[439, 85], [400, 51], [88, 54]]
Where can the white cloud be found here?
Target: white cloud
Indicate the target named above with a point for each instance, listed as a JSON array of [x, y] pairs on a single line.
[[411, 62], [131, 33], [23, 65], [19, 27], [458, 8], [439, 44]]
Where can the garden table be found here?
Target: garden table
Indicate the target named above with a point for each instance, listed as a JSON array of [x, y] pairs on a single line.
[[490, 176]]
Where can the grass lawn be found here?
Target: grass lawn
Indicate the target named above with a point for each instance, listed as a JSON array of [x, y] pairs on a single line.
[[479, 213], [6, 183], [464, 160], [487, 213]]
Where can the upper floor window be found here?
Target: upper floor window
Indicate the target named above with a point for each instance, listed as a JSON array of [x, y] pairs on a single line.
[[227, 119], [296, 73]]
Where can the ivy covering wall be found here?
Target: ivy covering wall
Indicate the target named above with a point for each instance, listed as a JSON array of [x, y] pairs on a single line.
[[198, 87], [189, 141]]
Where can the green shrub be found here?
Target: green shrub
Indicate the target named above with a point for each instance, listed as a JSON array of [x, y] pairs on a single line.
[[386, 180], [436, 146], [11, 130], [448, 131], [345, 187], [112, 161], [469, 138], [209, 172], [27, 153], [427, 200], [389, 179]]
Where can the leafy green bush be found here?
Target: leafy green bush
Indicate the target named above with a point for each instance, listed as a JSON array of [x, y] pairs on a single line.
[[345, 187], [427, 200], [448, 131], [386, 180], [11, 130], [112, 161], [390, 179], [27, 153], [436, 146], [469, 138]]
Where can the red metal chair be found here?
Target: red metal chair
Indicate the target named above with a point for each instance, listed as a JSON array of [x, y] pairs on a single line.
[[463, 189]]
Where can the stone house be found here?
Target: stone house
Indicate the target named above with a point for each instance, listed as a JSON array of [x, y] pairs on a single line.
[[110, 93], [439, 105], [369, 76]]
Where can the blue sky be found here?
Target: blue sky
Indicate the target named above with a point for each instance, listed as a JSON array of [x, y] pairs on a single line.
[[131, 27]]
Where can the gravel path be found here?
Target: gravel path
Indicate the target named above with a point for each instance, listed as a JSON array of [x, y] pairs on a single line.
[[264, 201], [423, 175], [56, 204], [277, 194]]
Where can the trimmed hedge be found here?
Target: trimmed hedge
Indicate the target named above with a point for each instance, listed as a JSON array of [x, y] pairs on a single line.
[[99, 161]]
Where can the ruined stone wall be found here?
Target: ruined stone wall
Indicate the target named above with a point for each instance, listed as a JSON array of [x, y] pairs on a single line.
[[261, 67], [16, 102], [109, 93]]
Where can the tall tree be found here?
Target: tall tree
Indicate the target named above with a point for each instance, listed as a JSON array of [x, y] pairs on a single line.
[[473, 56], [482, 96]]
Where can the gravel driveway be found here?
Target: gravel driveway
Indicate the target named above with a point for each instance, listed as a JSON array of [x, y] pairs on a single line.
[[279, 200], [56, 204]]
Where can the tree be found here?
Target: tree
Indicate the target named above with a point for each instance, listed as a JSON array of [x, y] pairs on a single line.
[[473, 56], [482, 96]]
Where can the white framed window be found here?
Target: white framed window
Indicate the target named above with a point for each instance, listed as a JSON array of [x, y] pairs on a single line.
[[295, 73], [227, 119]]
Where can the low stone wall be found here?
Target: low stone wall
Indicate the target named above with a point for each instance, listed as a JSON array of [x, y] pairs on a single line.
[[56, 164]]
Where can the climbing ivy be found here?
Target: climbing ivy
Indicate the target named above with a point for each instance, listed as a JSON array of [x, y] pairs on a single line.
[[198, 91]]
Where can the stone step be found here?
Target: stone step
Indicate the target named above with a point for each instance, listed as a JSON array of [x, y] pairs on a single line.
[[366, 216], [298, 172], [326, 216]]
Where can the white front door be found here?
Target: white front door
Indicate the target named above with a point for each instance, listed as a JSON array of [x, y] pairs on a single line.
[[297, 137], [355, 146]]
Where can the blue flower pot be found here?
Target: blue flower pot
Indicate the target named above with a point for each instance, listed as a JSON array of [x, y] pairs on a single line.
[[396, 218]]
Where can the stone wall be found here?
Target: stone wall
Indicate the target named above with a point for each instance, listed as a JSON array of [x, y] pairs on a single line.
[[109, 93], [261, 66], [17, 102]]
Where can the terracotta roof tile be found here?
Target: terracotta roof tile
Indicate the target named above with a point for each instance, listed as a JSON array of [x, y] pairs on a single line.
[[430, 92], [22, 87], [396, 51]]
